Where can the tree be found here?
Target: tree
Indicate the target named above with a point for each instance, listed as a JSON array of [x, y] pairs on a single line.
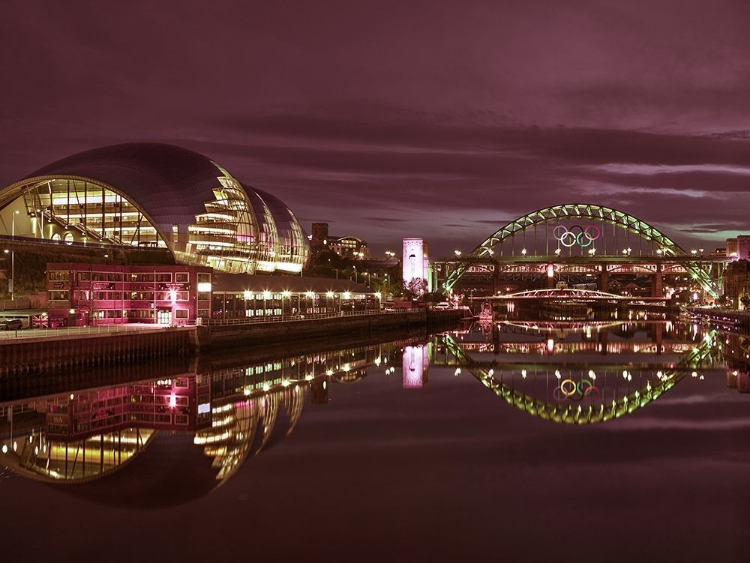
[[722, 300], [416, 287], [745, 300]]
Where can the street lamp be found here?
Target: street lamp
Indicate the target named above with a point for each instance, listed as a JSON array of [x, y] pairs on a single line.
[[457, 253], [12, 281]]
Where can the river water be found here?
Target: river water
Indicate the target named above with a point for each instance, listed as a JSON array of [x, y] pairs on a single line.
[[574, 441]]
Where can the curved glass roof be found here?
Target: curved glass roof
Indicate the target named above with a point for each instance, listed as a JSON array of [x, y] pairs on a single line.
[[151, 194]]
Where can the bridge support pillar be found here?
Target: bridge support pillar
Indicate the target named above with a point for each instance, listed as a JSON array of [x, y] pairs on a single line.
[[604, 280], [658, 290], [496, 278]]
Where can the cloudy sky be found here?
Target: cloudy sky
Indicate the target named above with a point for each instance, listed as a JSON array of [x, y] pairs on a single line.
[[388, 119]]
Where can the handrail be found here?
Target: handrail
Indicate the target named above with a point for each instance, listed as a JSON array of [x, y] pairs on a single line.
[[36, 333]]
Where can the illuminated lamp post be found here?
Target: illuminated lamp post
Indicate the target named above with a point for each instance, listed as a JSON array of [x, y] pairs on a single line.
[[12, 281], [173, 287]]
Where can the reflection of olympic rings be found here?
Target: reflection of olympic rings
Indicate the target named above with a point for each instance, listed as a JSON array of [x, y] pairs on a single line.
[[569, 389], [569, 237], [572, 391]]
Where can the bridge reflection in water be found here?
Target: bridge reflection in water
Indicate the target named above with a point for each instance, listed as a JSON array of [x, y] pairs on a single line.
[[575, 392], [169, 440]]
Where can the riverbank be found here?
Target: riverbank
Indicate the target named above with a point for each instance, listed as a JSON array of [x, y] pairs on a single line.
[[738, 319], [51, 351]]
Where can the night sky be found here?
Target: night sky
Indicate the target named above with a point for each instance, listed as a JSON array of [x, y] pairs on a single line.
[[434, 119]]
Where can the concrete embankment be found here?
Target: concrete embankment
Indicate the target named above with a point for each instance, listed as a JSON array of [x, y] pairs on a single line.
[[225, 336], [53, 353], [739, 319]]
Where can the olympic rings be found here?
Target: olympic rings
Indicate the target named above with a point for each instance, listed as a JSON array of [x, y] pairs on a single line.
[[583, 238], [595, 390], [569, 389]]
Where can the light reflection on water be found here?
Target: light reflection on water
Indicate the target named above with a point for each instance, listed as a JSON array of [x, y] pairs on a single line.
[[566, 372], [166, 442]]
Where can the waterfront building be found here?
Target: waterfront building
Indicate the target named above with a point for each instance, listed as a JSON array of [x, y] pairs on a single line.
[[99, 294], [149, 196], [736, 280], [237, 296]]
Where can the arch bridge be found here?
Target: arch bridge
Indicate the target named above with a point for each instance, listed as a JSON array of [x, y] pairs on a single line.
[[587, 240]]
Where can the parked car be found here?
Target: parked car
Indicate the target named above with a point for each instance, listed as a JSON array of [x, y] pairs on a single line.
[[11, 324]]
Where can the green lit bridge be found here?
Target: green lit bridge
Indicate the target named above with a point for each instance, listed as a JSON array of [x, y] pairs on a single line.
[[583, 244]]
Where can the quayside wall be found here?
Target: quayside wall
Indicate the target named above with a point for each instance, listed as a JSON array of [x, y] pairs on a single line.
[[53, 353], [232, 335], [741, 319]]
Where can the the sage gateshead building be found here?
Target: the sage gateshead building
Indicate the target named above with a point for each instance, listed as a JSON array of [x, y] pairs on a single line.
[[156, 196]]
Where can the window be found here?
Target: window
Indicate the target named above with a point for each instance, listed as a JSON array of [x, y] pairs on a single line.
[[59, 275], [181, 277], [181, 313]]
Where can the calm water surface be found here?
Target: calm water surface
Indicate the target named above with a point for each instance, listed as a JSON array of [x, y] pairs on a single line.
[[519, 442]]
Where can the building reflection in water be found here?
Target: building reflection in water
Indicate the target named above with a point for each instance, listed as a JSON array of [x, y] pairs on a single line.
[[183, 435], [167, 441], [415, 361]]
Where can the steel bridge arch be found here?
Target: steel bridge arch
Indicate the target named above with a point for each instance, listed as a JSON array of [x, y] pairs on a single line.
[[601, 213]]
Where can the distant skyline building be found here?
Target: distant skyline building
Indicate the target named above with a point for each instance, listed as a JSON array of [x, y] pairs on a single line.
[[738, 248], [347, 247]]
